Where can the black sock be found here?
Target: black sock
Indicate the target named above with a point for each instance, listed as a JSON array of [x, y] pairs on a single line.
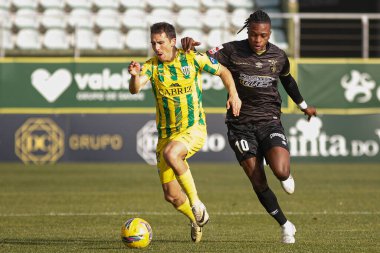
[[269, 201]]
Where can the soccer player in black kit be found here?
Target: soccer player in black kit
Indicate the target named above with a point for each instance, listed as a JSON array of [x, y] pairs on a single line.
[[257, 133]]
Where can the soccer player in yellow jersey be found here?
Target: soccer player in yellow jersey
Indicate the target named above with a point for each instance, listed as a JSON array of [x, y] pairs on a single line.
[[176, 83]]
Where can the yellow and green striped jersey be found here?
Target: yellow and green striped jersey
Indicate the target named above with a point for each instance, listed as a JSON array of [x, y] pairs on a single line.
[[177, 87]]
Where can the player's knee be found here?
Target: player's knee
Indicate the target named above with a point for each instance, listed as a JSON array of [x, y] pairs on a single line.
[[283, 173], [171, 198], [168, 198], [170, 155], [280, 169]]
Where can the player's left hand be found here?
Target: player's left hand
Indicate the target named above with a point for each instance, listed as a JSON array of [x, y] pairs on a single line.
[[310, 111], [234, 102]]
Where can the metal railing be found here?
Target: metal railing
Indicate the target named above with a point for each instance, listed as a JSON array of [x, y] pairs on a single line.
[[296, 18]]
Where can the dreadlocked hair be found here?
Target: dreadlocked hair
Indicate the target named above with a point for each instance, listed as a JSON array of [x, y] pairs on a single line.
[[258, 16]]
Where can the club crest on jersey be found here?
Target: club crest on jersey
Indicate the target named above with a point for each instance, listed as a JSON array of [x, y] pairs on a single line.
[[273, 66], [185, 70], [214, 50]]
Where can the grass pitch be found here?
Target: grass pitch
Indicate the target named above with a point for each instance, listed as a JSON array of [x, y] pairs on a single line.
[[81, 207]]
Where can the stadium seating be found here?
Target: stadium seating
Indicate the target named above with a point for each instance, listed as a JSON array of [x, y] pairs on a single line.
[[55, 38], [6, 39], [137, 39], [239, 36], [73, 4], [217, 37], [134, 18], [26, 18], [189, 18], [107, 18], [166, 4], [246, 4], [5, 4], [133, 4], [53, 18], [182, 4], [214, 4], [124, 24], [81, 17], [109, 39], [28, 39], [161, 15], [84, 39], [238, 17], [5, 19], [215, 18], [196, 34], [109, 4], [52, 4], [22, 4]]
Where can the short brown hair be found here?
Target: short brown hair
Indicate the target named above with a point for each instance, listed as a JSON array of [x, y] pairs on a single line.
[[163, 27]]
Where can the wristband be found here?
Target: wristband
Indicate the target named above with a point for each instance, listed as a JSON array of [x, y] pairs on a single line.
[[303, 105]]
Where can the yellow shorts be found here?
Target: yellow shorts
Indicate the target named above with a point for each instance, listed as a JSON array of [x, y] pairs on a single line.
[[193, 138]]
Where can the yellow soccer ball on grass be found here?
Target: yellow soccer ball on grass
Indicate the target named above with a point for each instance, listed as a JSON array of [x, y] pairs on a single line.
[[136, 233]]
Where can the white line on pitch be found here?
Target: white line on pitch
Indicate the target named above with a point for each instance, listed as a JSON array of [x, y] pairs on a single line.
[[171, 213]]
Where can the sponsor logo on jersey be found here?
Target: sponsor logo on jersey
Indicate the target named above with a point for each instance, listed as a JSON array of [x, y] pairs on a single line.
[[174, 91], [256, 81], [241, 63], [215, 49], [258, 65]]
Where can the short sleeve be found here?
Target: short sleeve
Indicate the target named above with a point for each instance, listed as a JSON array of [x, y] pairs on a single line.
[[221, 53], [207, 63], [147, 69]]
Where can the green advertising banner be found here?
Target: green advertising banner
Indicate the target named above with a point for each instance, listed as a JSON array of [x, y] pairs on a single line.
[[341, 84], [329, 138], [88, 85]]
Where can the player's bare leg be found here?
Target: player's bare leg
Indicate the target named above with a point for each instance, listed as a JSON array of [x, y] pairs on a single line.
[[173, 194], [278, 159], [174, 154]]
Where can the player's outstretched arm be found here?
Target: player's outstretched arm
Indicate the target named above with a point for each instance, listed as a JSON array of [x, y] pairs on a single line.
[[233, 100], [291, 88], [310, 111], [189, 43], [136, 82]]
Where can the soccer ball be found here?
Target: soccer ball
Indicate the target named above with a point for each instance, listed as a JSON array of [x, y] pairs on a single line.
[[136, 233]]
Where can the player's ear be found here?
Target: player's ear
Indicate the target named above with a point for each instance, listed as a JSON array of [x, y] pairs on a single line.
[[173, 42]]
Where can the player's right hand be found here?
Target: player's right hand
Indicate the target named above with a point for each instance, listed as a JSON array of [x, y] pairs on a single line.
[[310, 111], [134, 68], [189, 43], [234, 102]]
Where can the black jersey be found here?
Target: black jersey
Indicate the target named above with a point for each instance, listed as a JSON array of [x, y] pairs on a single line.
[[256, 77]]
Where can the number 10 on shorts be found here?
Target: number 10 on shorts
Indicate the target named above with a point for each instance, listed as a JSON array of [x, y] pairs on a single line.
[[242, 145]]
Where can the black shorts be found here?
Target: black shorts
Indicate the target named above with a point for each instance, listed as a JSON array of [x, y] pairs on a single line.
[[249, 140]]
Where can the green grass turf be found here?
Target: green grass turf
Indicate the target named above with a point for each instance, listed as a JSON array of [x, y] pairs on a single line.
[[81, 207]]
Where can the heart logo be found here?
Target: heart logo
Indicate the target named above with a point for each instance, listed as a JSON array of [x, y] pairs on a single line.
[[51, 86]]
